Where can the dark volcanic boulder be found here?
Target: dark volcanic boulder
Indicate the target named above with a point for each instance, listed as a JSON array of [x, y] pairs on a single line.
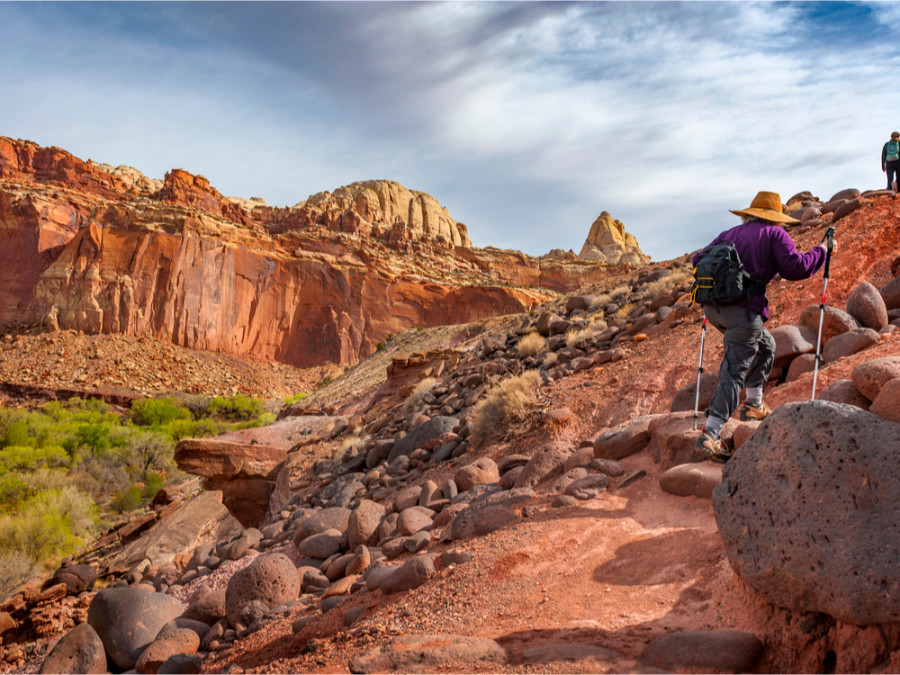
[[128, 619], [78, 651], [421, 434], [807, 512], [270, 579]]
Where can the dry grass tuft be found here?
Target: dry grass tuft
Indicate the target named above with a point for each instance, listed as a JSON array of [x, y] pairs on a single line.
[[418, 394], [667, 284], [505, 409], [625, 310], [532, 344], [591, 330]]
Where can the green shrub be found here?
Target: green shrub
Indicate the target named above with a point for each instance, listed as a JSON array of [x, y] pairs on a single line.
[[95, 437], [48, 525], [17, 434], [299, 396], [202, 428], [236, 408], [128, 499], [150, 412], [12, 490], [27, 459], [153, 483]]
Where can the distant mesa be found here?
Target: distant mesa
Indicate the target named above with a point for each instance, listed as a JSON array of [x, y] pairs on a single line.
[[609, 242]]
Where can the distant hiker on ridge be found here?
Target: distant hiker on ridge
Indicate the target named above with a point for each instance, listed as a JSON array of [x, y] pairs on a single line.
[[765, 251], [890, 159]]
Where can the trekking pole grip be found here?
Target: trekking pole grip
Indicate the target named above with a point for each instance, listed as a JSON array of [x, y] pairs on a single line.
[[829, 236]]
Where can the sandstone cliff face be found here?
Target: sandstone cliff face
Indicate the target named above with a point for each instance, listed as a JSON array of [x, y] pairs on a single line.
[[89, 247], [609, 242]]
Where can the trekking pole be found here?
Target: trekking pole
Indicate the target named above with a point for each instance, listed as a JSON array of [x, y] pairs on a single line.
[[829, 235], [699, 373]]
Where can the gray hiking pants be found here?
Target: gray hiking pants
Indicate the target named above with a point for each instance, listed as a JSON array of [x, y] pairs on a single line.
[[749, 354]]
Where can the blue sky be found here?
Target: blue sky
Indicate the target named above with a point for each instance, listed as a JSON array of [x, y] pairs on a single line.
[[525, 120]]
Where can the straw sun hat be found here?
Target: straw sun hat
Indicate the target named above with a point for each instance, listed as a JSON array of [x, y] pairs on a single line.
[[767, 205]]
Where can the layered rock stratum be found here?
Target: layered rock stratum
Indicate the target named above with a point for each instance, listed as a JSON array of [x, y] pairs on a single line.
[[98, 249]]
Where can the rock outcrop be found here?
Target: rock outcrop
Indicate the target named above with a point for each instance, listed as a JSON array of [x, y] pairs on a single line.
[[608, 242]]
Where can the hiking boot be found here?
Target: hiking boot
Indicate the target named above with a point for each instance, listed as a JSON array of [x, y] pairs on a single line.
[[753, 412], [712, 448]]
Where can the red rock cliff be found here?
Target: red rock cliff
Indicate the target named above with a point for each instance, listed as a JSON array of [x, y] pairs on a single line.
[[89, 247]]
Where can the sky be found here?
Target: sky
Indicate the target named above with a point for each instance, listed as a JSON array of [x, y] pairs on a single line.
[[525, 120]]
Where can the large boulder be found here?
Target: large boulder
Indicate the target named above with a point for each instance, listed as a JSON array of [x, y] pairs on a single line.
[[686, 397], [624, 440], [849, 343], [714, 651], [331, 518], [362, 526], [483, 471], [806, 511], [866, 305], [78, 651], [418, 436], [887, 403], [128, 619], [270, 579], [890, 293], [673, 438], [790, 342], [834, 321], [201, 520], [870, 377], [546, 463]]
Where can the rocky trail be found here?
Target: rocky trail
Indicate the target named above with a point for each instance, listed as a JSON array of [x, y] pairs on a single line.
[[390, 523]]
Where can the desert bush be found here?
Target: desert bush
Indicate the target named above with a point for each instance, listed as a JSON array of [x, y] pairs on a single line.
[[28, 459], [532, 344], [236, 408], [149, 412], [128, 499], [15, 570], [418, 394], [296, 398], [667, 283], [48, 524], [505, 408], [593, 329], [153, 483], [17, 434], [201, 428]]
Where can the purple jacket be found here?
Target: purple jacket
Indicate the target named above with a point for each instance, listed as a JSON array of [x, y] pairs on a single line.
[[768, 251]]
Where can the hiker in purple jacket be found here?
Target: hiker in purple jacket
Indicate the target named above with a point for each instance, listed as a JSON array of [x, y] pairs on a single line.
[[766, 250]]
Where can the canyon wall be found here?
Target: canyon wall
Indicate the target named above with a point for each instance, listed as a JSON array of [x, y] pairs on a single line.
[[100, 249]]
